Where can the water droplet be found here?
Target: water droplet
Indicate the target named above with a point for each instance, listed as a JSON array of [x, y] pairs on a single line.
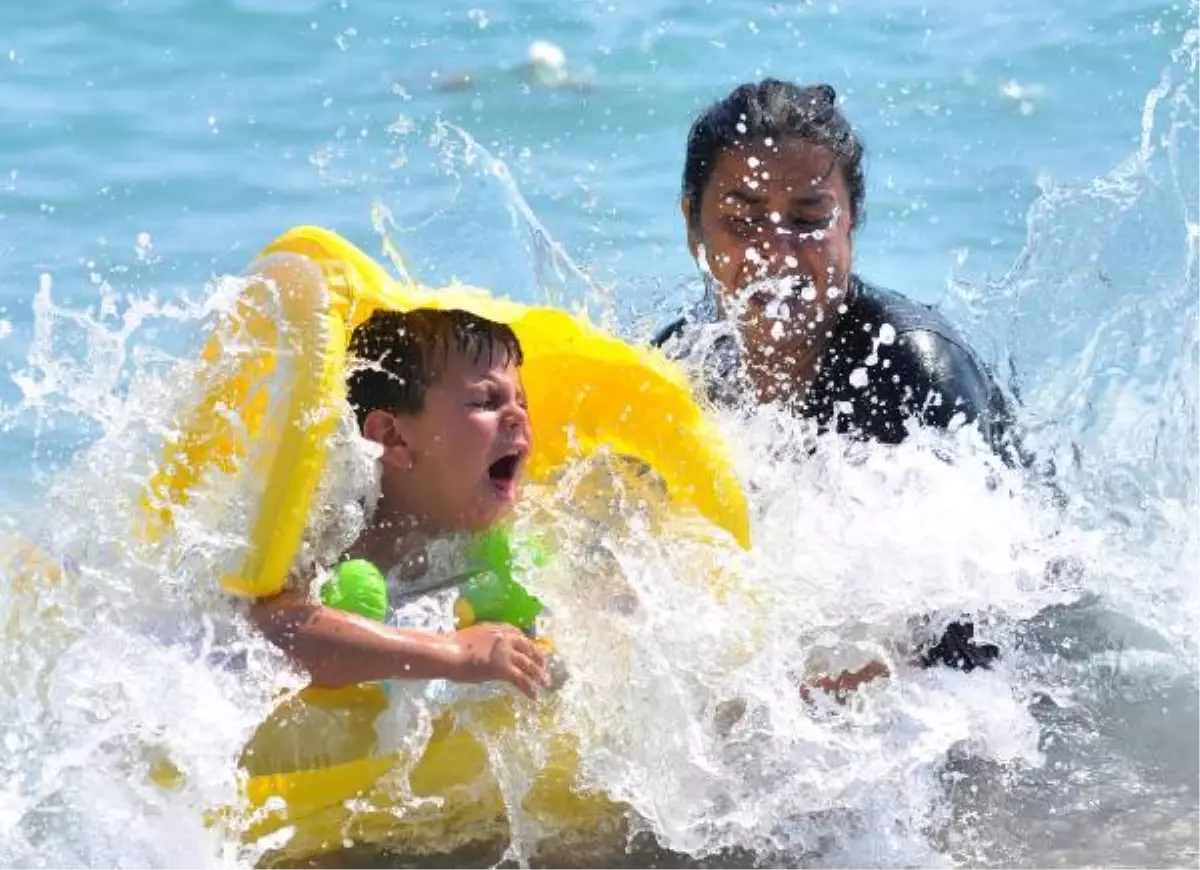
[[402, 126]]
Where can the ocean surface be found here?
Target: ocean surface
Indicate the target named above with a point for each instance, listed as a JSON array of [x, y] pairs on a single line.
[[151, 146], [1032, 169]]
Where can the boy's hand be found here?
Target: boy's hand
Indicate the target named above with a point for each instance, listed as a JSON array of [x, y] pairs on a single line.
[[490, 651]]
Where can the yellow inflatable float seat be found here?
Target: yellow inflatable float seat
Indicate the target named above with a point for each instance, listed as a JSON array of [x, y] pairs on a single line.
[[446, 799], [268, 398]]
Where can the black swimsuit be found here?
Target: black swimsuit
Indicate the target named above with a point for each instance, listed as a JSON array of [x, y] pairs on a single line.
[[890, 359]]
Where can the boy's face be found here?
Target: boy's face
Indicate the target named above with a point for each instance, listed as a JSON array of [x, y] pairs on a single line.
[[457, 465]]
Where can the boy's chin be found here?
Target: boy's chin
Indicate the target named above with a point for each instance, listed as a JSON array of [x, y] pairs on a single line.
[[492, 512]]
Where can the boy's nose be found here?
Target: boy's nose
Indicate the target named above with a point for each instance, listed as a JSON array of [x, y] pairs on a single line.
[[516, 416]]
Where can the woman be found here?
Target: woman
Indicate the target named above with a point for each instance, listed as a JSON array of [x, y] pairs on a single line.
[[773, 190]]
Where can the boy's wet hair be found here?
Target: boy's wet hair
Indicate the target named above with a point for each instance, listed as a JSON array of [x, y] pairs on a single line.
[[774, 109], [397, 356]]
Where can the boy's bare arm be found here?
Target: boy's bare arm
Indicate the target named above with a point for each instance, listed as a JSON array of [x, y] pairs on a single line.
[[339, 649]]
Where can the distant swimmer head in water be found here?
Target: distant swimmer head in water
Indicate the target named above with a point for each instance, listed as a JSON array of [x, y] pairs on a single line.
[[773, 189], [545, 62]]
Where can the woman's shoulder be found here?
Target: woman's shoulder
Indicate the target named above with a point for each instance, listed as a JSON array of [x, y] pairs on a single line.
[[912, 329], [681, 328], [927, 356], [872, 305]]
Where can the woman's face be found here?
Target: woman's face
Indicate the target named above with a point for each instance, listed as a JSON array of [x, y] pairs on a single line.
[[776, 210]]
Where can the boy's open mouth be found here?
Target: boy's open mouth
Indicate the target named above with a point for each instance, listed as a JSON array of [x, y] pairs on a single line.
[[504, 470]]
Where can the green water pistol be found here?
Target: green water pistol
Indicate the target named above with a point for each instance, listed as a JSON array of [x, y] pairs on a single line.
[[357, 587], [490, 593]]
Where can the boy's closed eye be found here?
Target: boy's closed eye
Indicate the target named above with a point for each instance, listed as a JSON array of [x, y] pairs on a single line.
[[492, 399], [485, 399]]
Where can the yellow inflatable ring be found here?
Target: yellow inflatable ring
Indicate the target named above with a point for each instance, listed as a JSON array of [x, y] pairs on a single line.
[[586, 390]]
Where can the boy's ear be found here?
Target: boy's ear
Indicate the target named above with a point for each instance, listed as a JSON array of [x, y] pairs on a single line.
[[386, 430]]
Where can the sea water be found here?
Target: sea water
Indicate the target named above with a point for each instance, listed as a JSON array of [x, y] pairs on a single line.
[[1032, 170]]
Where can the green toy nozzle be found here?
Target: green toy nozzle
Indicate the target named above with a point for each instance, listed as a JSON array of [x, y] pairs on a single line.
[[357, 587]]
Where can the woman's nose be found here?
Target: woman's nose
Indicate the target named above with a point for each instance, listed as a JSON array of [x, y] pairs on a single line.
[[787, 248], [796, 254]]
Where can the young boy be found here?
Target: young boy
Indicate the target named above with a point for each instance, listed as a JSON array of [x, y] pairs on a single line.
[[440, 393]]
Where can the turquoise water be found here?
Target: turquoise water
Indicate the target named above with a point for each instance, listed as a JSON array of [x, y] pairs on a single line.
[[212, 127], [1012, 177]]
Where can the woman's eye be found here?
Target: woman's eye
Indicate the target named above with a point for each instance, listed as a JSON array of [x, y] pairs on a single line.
[[742, 224], [808, 224]]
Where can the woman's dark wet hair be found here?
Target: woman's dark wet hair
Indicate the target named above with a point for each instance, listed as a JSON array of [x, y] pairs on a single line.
[[774, 109]]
